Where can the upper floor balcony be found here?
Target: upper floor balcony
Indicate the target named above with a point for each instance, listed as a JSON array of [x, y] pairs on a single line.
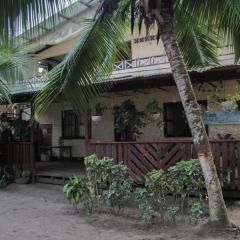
[[127, 69]]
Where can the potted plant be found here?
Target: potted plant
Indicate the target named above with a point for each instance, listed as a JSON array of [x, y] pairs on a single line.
[[224, 101], [236, 97], [153, 110], [237, 100], [99, 109]]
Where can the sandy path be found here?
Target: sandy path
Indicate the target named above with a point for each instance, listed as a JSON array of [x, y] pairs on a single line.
[[40, 212]]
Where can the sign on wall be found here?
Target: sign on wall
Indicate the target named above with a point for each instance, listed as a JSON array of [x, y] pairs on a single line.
[[222, 117]]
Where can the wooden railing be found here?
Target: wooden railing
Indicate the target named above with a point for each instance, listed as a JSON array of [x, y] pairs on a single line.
[[20, 156], [140, 62], [142, 157]]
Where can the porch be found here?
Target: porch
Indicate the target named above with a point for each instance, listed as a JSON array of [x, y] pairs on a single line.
[[143, 157], [140, 157]]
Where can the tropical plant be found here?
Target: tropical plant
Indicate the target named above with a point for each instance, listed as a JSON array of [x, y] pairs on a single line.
[[190, 30], [152, 198], [118, 192], [186, 178], [75, 189], [126, 116]]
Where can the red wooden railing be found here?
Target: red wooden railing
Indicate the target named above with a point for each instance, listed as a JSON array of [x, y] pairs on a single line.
[[142, 157], [20, 156]]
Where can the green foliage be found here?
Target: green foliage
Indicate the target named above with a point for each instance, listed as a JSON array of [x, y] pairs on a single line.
[[98, 171], [216, 99], [196, 210], [152, 108], [108, 182], [147, 214], [5, 177], [186, 177], [126, 116], [181, 180], [120, 187], [153, 195], [75, 189], [173, 212]]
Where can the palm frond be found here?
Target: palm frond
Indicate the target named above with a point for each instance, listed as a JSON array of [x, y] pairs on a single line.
[[15, 66], [83, 72], [222, 15], [197, 42], [22, 19]]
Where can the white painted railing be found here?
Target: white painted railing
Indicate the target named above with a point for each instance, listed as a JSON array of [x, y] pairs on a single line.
[[140, 62], [127, 69]]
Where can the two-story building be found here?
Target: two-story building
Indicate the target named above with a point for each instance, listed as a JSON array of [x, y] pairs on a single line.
[[149, 131]]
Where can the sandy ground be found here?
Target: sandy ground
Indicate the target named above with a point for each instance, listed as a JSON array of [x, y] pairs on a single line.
[[40, 212]]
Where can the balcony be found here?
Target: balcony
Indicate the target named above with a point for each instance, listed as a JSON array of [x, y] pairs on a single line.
[[157, 65], [127, 69], [27, 86]]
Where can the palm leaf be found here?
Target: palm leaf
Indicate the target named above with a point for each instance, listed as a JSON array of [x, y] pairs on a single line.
[[222, 15], [83, 72], [23, 19], [197, 42], [15, 66]]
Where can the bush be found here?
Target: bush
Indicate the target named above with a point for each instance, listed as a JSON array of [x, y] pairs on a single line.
[[153, 196], [5, 176], [119, 188], [109, 184], [75, 189], [98, 171], [186, 178]]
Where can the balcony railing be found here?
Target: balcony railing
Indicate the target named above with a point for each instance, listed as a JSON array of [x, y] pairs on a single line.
[[140, 62], [28, 85], [126, 69]]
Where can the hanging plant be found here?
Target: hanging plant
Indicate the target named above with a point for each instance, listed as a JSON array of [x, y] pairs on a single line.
[[223, 101], [99, 109], [236, 97], [153, 110], [126, 116]]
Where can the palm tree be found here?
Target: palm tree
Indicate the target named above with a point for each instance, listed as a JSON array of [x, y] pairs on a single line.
[[190, 31]]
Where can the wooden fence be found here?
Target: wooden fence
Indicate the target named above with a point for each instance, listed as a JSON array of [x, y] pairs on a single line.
[[20, 156], [142, 157]]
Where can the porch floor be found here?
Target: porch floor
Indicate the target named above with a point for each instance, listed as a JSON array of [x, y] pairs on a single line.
[[58, 172]]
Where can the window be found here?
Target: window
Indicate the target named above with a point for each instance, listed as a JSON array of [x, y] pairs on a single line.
[[71, 125], [175, 122]]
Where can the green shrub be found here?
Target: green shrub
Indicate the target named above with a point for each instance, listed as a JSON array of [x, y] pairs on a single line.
[[75, 189], [186, 177], [173, 212], [154, 194], [98, 171], [119, 188], [5, 176], [147, 213], [195, 210]]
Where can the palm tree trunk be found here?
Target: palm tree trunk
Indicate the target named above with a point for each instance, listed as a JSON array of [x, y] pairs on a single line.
[[217, 209]]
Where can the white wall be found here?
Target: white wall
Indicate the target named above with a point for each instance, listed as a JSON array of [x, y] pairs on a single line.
[[104, 130]]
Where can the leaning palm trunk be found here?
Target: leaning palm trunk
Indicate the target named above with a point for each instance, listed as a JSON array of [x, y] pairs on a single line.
[[217, 209]]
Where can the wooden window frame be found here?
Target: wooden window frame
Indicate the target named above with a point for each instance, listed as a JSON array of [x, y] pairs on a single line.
[[75, 121], [165, 105]]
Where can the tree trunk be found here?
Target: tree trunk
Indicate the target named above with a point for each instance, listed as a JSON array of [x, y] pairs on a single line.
[[217, 209]]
